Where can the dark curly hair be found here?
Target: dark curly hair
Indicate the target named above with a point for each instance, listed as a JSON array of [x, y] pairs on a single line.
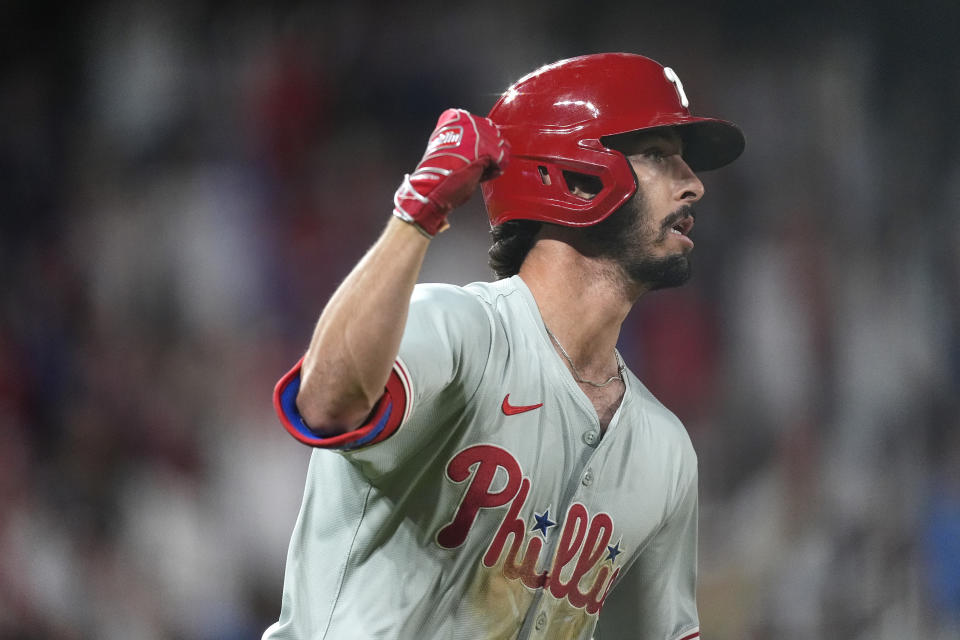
[[511, 243], [513, 239]]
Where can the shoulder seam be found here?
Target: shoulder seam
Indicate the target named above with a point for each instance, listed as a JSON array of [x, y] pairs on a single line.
[[489, 307]]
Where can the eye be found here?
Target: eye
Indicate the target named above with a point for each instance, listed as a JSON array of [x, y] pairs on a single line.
[[656, 154]]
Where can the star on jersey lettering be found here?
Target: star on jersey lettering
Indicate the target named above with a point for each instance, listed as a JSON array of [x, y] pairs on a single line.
[[543, 522], [614, 551]]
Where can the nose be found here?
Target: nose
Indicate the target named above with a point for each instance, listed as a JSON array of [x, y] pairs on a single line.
[[689, 187]]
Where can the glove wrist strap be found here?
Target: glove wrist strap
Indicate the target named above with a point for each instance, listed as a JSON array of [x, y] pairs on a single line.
[[403, 215]]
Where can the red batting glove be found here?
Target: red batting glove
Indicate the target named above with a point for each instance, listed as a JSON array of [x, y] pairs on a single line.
[[463, 151]]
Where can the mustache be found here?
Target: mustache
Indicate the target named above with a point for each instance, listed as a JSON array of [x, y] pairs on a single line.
[[684, 211]]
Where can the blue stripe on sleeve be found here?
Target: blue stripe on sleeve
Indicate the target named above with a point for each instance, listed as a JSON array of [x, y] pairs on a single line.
[[288, 404], [377, 429]]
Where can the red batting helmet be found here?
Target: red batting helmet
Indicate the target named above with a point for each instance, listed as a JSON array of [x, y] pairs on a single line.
[[557, 117]]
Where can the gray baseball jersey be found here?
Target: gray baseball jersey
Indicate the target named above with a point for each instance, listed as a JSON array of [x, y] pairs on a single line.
[[480, 499]]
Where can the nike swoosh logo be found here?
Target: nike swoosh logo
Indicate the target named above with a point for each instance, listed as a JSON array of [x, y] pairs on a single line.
[[510, 410]]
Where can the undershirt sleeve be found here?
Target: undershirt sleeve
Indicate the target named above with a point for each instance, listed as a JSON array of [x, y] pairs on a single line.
[[383, 420]]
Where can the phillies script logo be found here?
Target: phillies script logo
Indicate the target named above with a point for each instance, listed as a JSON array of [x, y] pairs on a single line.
[[583, 545], [445, 138]]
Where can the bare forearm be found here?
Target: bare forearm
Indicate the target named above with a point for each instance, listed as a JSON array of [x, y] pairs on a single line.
[[358, 335]]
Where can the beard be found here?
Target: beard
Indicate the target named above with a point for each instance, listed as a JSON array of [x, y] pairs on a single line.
[[660, 273], [628, 238]]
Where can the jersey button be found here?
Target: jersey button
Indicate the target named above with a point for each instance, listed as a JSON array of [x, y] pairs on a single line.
[[541, 621], [591, 438], [587, 478]]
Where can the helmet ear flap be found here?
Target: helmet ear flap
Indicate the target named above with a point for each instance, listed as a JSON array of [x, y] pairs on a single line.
[[570, 192]]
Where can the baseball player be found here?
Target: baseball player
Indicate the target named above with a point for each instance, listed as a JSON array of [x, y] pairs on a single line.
[[484, 464]]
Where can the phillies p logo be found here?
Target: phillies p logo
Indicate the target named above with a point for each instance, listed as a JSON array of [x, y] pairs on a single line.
[[487, 459]]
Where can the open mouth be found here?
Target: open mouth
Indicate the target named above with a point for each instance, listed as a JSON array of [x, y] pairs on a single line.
[[682, 227]]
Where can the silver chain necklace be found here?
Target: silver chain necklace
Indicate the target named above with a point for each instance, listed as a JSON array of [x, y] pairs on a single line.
[[576, 372]]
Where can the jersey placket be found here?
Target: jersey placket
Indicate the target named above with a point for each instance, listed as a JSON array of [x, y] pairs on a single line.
[[581, 478]]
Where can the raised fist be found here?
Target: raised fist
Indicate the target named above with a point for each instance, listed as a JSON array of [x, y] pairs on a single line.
[[463, 151]]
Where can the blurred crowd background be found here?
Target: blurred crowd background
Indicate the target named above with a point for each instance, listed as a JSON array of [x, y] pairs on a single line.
[[182, 185]]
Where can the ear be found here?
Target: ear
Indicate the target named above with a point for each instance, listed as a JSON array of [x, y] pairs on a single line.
[[583, 185]]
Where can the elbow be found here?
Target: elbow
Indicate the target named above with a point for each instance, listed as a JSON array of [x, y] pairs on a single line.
[[328, 416]]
